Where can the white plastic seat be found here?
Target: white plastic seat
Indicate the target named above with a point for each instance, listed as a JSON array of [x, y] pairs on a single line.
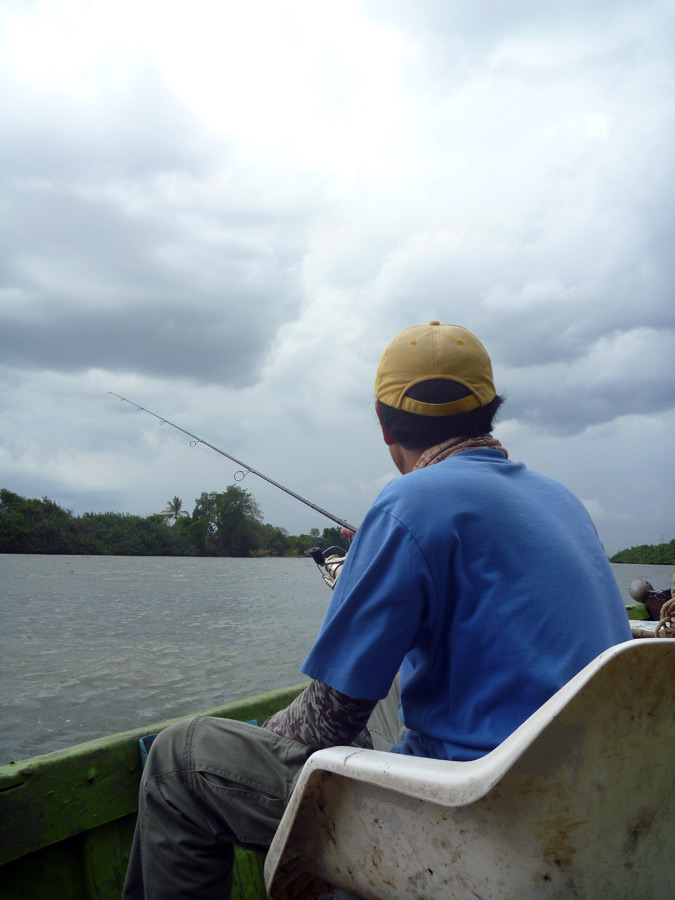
[[579, 802]]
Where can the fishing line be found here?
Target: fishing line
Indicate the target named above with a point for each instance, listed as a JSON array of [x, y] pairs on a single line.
[[237, 475], [245, 469], [261, 489]]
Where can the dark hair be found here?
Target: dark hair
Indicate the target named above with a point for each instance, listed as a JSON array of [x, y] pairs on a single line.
[[415, 432]]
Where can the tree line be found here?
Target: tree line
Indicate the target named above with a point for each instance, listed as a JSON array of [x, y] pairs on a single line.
[[227, 523], [647, 555]]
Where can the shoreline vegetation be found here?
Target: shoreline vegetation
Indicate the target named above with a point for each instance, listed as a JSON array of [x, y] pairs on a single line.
[[647, 555], [221, 524]]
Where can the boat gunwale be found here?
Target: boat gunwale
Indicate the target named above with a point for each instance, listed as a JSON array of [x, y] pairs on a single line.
[[48, 798]]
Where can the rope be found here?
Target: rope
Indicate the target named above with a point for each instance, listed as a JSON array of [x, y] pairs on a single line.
[[666, 626]]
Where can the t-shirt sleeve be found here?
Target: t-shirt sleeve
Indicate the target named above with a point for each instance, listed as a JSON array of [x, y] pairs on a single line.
[[381, 600]]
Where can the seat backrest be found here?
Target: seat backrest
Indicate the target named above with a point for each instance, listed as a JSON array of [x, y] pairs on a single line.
[[578, 802]]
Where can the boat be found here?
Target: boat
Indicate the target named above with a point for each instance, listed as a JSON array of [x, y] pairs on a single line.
[[67, 818]]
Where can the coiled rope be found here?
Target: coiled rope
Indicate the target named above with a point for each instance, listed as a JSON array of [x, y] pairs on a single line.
[[666, 626]]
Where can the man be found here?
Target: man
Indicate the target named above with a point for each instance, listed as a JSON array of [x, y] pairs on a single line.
[[484, 584]]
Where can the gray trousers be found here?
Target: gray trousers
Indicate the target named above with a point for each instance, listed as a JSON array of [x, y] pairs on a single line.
[[209, 784]]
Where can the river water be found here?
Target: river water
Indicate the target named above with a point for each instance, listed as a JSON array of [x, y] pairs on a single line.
[[94, 645]]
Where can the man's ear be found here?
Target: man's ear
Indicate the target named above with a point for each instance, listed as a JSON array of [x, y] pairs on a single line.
[[386, 434]]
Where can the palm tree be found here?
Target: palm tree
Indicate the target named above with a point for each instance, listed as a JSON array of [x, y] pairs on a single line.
[[174, 509]]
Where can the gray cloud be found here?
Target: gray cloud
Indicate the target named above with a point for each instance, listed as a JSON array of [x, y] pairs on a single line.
[[233, 246], [88, 284], [175, 341], [119, 253], [122, 124], [622, 375], [475, 26]]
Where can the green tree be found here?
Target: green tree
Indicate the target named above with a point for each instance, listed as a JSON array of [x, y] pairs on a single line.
[[332, 537], [301, 543], [34, 526], [274, 540], [15, 530], [227, 523], [174, 510], [123, 534], [647, 555]]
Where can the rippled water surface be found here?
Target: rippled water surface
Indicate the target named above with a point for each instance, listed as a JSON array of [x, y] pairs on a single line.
[[93, 645]]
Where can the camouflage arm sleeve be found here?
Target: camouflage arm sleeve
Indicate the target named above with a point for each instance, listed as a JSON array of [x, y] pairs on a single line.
[[321, 717]]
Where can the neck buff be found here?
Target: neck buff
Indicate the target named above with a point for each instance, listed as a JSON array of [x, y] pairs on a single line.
[[457, 445]]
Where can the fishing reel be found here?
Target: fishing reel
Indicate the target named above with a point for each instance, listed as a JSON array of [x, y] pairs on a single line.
[[330, 563]]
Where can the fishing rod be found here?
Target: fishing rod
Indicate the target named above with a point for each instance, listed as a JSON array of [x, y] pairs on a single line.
[[242, 474]]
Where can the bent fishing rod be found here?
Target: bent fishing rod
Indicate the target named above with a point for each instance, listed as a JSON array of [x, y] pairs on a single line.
[[249, 469]]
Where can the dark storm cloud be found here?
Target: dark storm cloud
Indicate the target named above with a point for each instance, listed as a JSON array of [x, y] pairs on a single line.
[[581, 332], [578, 383], [257, 212], [117, 256], [205, 344], [88, 284]]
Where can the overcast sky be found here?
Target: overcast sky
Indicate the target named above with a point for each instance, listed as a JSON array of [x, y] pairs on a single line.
[[224, 211]]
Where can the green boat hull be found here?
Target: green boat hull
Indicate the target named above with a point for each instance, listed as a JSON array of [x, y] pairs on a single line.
[[67, 818]]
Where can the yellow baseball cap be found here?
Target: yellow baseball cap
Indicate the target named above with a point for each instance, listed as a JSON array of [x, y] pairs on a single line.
[[432, 351]]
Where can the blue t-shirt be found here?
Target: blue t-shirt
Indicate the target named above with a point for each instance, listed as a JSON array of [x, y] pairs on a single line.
[[486, 585]]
